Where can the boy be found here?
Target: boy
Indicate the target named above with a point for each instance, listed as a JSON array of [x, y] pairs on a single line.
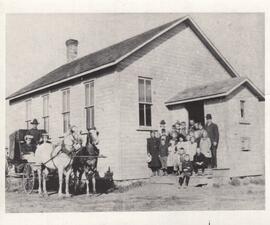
[[199, 161], [186, 171], [163, 154], [179, 157]]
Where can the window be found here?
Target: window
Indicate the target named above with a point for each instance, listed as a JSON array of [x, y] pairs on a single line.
[[245, 143], [46, 113], [242, 109], [28, 113], [145, 102], [89, 104], [66, 109]]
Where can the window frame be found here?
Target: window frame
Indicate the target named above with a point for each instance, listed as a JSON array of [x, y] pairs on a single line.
[[145, 103], [90, 104], [28, 112], [243, 146], [66, 110], [242, 109], [46, 115]]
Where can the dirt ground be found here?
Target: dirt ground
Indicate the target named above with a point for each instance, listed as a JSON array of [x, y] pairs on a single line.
[[150, 196]]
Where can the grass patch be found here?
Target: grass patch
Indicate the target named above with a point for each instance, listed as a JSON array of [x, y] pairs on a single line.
[[235, 181], [257, 181], [121, 188], [216, 185]]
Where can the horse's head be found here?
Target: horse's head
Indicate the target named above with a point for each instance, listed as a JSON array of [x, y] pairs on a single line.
[[92, 136]]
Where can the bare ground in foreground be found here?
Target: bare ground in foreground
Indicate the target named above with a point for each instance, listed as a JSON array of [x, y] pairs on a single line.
[[151, 196]]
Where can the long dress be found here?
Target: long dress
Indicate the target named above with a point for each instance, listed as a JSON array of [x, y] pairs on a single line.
[[170, 159], [153, 149]]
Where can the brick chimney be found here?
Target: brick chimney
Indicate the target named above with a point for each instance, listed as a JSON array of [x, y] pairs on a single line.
[[72, 49]]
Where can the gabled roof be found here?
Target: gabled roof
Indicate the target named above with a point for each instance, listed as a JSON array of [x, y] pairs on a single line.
[[213, 90], [112, 55]]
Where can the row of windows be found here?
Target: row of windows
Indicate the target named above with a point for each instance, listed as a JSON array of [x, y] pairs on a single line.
[[145, 106], [89, 108]]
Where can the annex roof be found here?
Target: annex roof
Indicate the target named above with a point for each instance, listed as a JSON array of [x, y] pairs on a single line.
[[213, 90], [112, 55]]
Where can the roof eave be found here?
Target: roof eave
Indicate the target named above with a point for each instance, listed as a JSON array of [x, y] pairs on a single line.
[[171, 103], [255, 90]]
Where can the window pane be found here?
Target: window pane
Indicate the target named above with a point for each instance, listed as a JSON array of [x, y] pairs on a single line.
[[141, 91], [46, 105], [148, 115], [148, 91], [28, 110], [242, 109], [68, 100], [92, 93], [46, 124], [64, 101], [89, 117], [141, 114], [66, 122], [87, 100]]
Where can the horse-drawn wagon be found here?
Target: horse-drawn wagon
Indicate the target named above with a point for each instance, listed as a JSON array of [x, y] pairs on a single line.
[[16, 167], [57, 159]]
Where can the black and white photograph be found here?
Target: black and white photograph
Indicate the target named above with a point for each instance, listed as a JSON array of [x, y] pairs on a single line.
[[134, 112]]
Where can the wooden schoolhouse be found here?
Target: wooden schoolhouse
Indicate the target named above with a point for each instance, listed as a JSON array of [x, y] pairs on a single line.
[[172, 72]]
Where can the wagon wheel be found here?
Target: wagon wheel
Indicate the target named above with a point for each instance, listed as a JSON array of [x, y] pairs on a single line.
[[28, 179]]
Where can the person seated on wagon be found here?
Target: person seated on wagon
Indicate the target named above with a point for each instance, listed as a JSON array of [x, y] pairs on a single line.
[[28, 149], [45, 139], [34, 132]]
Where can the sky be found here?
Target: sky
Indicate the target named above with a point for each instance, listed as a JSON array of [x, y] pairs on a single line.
[[35, 43]]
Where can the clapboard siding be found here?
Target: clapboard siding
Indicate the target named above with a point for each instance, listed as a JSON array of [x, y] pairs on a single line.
[[246, 162], [175, 64]]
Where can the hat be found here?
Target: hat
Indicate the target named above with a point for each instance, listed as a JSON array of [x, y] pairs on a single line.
[[34, 121], [162, 122], [46, 134], [208, 116], [177, 122], [28, 137]]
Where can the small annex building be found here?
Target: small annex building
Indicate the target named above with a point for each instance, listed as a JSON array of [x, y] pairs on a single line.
[[172, 72]]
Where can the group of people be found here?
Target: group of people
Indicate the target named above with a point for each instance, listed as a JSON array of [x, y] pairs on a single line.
[[183, 149]]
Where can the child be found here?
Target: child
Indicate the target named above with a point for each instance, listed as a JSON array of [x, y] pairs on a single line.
[[186, 171], [191, 147], [205, 146], [178, 159], [199, 161], [163, 154], [181, 143], [170, 159]]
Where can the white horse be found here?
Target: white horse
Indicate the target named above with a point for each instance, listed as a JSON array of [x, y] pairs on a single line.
[[56, 159]]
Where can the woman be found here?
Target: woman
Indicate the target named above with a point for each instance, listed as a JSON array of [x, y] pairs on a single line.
[[153, 150]]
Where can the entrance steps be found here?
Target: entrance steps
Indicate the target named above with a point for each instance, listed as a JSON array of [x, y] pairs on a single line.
[[209, 177]]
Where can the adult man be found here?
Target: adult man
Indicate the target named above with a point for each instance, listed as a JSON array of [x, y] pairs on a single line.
[[35, 133], [213, 134], [199, 161], [191, 125]]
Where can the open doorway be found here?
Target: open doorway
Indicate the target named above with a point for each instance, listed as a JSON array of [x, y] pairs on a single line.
[[196, 111]]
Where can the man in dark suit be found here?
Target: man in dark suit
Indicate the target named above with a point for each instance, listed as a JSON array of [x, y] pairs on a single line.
[[35, 133], [213, 134]]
